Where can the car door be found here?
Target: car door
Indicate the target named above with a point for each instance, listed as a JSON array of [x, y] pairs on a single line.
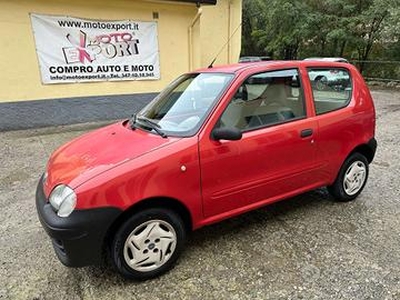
[[276, 155]]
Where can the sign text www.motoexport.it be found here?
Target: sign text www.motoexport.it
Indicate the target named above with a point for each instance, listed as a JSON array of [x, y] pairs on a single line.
[[74, 50]]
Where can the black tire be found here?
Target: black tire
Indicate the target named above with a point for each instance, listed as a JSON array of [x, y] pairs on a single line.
[[338, 189], [122, 251]]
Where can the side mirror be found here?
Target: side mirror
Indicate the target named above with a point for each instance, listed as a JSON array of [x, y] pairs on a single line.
[[226, 133]]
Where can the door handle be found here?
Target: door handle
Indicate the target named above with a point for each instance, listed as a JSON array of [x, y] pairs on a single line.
[[306, 133]]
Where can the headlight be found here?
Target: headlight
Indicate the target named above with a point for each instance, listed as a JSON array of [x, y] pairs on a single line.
[[63, 200]]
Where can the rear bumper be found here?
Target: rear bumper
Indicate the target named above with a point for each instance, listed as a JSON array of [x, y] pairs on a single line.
[[78, 240], [372, 145]]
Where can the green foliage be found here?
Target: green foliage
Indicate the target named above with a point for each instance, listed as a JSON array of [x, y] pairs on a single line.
[[355, 29]]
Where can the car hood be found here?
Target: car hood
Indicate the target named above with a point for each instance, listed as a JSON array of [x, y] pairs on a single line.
[[93, 153]]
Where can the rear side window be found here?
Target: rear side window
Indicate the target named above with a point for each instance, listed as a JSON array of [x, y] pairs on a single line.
[[332, 88]]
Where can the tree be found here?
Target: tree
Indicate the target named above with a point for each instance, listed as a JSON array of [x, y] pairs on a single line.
[[252, 19], [329, 26], [368, 26], [295, 29], [283, 28]]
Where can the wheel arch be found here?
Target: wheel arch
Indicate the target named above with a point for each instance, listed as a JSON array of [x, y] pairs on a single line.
[[368, 150], [161, 202]]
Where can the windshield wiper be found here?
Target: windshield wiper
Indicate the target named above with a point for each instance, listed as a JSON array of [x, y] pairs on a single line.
[[152, 125]]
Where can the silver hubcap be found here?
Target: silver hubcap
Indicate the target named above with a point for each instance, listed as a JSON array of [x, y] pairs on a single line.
[[150, 245], [354, 178]]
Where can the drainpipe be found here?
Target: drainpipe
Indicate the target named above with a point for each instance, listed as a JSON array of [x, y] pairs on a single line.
[[194, 21], [229, 31]]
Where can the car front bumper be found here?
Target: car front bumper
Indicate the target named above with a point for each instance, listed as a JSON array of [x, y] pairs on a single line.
[[78, 239]]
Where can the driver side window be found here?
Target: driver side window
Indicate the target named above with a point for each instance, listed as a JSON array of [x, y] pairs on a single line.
[[265, 99]]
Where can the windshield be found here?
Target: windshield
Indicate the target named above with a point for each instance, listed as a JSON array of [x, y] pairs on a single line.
[[183, 106]]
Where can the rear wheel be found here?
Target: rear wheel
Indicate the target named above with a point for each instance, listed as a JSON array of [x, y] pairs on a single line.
[[351, 179], [148, 243]]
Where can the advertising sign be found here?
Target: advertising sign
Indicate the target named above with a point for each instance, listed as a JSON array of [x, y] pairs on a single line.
[[77, 50]]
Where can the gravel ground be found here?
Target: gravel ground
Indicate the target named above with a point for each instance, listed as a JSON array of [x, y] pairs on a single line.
[[307, 247]]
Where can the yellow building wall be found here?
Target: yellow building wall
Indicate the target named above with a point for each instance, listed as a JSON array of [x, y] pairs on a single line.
[[215, 34], [20, 75]]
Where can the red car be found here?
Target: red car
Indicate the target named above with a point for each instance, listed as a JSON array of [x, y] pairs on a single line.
[[215, 143]]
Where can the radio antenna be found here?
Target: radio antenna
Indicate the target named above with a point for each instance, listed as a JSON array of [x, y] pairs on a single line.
[[229, 39]]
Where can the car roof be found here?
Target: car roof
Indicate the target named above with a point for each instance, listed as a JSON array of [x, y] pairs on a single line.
[[240, 67], [234, 68], [249, 57], [246, 59], [333, 59]]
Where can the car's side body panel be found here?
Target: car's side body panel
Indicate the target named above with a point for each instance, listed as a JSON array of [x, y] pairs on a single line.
[[263, 164]]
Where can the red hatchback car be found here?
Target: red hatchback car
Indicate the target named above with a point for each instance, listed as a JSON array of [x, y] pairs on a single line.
[[215, 143]]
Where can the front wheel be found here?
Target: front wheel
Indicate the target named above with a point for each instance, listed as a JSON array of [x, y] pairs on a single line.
[[351, 179], [148, 243]]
